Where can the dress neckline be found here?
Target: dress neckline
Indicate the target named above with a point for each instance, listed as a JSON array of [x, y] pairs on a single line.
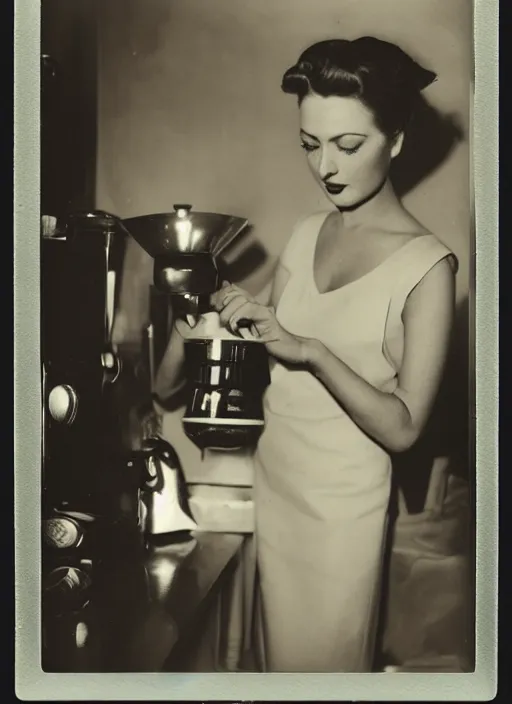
[[363, 277]]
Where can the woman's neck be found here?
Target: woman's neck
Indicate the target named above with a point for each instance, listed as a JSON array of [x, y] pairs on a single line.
[[378, 207]]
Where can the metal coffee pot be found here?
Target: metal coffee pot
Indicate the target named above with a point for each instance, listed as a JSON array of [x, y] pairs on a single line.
[[226, 377]]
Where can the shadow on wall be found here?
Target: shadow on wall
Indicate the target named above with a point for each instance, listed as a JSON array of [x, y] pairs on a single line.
[[249, 258], [448, 432], [430, 139]]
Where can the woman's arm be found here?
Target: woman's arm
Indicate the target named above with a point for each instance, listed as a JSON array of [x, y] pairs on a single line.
[[169, 377], [396, 420]]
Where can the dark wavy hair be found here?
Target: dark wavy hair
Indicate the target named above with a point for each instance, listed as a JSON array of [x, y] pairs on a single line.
[[380, 74]]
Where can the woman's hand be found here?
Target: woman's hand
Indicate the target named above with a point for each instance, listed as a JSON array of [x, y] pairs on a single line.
[[184, 326], [228, 293], [236, 308]]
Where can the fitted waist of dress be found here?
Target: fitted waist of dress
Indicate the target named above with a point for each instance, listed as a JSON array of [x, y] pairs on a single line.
[[301, 410], [333, 440], [312, 402]]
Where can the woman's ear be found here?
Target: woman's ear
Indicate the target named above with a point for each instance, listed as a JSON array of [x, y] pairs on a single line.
[[398, 142]]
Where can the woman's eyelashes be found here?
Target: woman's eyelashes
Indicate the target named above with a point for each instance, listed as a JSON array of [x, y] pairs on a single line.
[[308, 147]]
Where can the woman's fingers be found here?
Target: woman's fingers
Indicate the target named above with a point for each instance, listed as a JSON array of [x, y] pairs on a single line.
[[234, 304], [242, 312], [221, 298], [233, 307], [258, 316], [217, 298], [233, 294]]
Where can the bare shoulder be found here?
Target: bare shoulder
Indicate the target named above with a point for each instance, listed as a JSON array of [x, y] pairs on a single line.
[[435, 290]]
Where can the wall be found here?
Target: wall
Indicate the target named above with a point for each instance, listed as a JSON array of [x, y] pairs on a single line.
[[190, 110]]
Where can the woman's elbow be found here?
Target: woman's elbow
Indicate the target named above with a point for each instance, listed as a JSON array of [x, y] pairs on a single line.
[[405, 427], [403, 440]]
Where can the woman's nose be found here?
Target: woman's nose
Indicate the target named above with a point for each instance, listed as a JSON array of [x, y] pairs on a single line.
[[327, 165]]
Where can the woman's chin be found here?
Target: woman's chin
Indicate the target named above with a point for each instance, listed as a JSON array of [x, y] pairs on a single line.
[[344, 201], [340, 200]]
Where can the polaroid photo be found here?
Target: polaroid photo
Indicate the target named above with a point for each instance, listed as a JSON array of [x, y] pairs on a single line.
[[256, 350]]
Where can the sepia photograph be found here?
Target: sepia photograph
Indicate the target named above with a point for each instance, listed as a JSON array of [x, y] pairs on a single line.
[[257, 275]]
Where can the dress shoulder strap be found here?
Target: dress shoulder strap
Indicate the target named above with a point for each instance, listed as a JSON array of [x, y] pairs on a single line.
[[416, 260]]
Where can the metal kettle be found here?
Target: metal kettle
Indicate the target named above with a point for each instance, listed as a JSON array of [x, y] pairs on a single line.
[[164, 496]]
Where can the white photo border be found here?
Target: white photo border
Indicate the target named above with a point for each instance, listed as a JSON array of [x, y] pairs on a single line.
[[30, 680]]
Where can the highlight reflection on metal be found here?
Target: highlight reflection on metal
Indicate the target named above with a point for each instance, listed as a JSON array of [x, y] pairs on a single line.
[[63, 403], [163, 565], [161, 572], [107, 359], [165, 514], [81, 634], [111, 288], [174, 278], [111, 363], [185, 234], [184, 231], [77, 515]]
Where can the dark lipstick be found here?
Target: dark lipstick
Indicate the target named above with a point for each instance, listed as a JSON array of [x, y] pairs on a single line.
[[334, 188]]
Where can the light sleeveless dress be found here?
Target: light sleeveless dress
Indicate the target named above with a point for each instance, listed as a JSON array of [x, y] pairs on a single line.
[[322, 486]]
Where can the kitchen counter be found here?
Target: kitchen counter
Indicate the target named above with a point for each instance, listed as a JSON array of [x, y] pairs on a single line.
[[142, 609]]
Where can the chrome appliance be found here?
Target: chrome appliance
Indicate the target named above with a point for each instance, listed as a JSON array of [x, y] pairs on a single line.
[[226, 377]]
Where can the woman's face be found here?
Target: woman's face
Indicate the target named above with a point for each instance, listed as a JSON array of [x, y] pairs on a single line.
[[347, 152]]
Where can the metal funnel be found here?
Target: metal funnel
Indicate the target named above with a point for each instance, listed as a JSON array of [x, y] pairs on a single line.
[[184, 231]]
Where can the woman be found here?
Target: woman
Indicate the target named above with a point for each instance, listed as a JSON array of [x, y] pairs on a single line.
[[359, 324]]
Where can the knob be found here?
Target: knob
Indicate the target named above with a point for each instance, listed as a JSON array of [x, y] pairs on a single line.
[[62, 532], [182, 210], [49, 226], [81, 634], [63, 404], [66, 589]]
